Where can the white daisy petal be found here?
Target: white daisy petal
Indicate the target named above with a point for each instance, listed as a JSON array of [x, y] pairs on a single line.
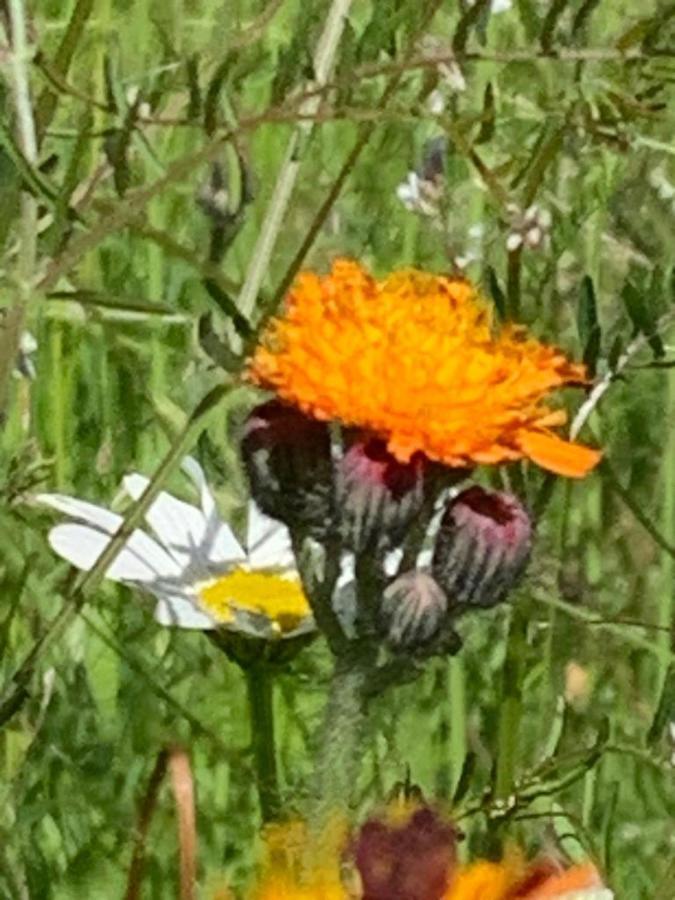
[[268, 542], [222, 546], [185, 531], [180, 527], [141, 560], [196, 474], [179, 611], [85, 512]]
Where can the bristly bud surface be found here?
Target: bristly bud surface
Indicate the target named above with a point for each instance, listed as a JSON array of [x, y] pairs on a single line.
[[413, 610], [377, 496], [287, 458], [482, 547], [408, 858]]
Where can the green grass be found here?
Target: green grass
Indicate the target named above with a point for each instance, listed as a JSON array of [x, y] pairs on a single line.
[[120, 368]]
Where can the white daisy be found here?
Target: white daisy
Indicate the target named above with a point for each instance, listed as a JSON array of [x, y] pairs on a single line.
[[199, 573]]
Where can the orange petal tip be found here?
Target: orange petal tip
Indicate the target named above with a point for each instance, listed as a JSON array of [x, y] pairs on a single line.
[[559, 456]]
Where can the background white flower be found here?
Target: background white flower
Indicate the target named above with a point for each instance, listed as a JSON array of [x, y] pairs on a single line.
[[200, 574]]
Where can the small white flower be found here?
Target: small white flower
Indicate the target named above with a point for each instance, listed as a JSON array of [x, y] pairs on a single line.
[[196, 569], [408, 191], [497, 6], [420, 195], [453, 76], [529, 228], [25, 367], [513, 241], [436, 103]]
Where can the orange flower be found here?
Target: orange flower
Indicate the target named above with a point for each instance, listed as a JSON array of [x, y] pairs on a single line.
[[512, 880], [414, 359], [299, 866]]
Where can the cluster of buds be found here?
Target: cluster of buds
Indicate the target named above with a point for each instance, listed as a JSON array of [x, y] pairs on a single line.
[[345, 490]]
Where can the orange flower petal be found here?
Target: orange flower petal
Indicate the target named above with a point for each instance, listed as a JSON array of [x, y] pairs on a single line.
[[558, 456], [415, 360], [577, 879]]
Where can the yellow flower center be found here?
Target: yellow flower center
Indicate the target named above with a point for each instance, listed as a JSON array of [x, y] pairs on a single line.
[[280, 599]]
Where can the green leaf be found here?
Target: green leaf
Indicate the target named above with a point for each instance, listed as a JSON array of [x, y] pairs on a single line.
[[487, 128], [642, 317], [529, 17], [590, 333], [496, 293], [101, 664], [665, 710]]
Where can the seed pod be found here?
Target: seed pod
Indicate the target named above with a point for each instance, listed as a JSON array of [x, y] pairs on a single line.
[[405, 855], [482, 547], [412, 611], [377, 496], [288, 462]]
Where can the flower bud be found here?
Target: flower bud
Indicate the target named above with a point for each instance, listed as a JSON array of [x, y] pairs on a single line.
[[406, 859], [482, 547], [413, 609], [288, 462], [377, 495]]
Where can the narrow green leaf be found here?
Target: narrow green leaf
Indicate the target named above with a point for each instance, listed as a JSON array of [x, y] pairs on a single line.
[[194, 108], [642, 317], [583, 15], [665, 710], [496, 293], [590, 333], [548, 28], [487, 128], [608, 826], [465, 778], [469, 20]]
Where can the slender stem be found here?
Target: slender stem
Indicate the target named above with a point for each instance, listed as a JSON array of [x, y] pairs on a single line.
[[287, 176], [510, 711], [25, 267], [457, 702], [667, 593], [260, 686], [338, 755]]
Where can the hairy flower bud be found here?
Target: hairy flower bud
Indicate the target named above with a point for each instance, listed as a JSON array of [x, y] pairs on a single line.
[[287, 459], [377, 495], [413, 609], [408, 859], [482, 548]]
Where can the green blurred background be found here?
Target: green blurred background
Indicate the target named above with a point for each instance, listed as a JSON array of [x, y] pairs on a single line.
[[566, 105]]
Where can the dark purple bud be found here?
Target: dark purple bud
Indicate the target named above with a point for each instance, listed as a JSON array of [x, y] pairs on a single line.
[[412, 859], [287, 458], [482, 548], [412, 611], [377, 496]]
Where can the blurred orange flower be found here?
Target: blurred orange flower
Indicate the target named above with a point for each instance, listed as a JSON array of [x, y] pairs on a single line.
[[513, 880], [416, 360]]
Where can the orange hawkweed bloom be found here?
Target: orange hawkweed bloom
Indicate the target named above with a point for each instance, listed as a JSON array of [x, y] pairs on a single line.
[[513, 880], [415, 359]]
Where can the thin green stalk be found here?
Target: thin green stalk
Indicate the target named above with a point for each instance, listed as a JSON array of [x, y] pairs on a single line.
[[457, 704], [667, 592], [286, 178], [260, 689], [510, 709], [338, 756], [10, 335]]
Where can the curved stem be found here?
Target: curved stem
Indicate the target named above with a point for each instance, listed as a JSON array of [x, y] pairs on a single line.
[[260, 685]]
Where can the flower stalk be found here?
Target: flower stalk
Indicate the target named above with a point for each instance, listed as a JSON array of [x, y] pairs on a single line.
[[260, 691], [338, 756]]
